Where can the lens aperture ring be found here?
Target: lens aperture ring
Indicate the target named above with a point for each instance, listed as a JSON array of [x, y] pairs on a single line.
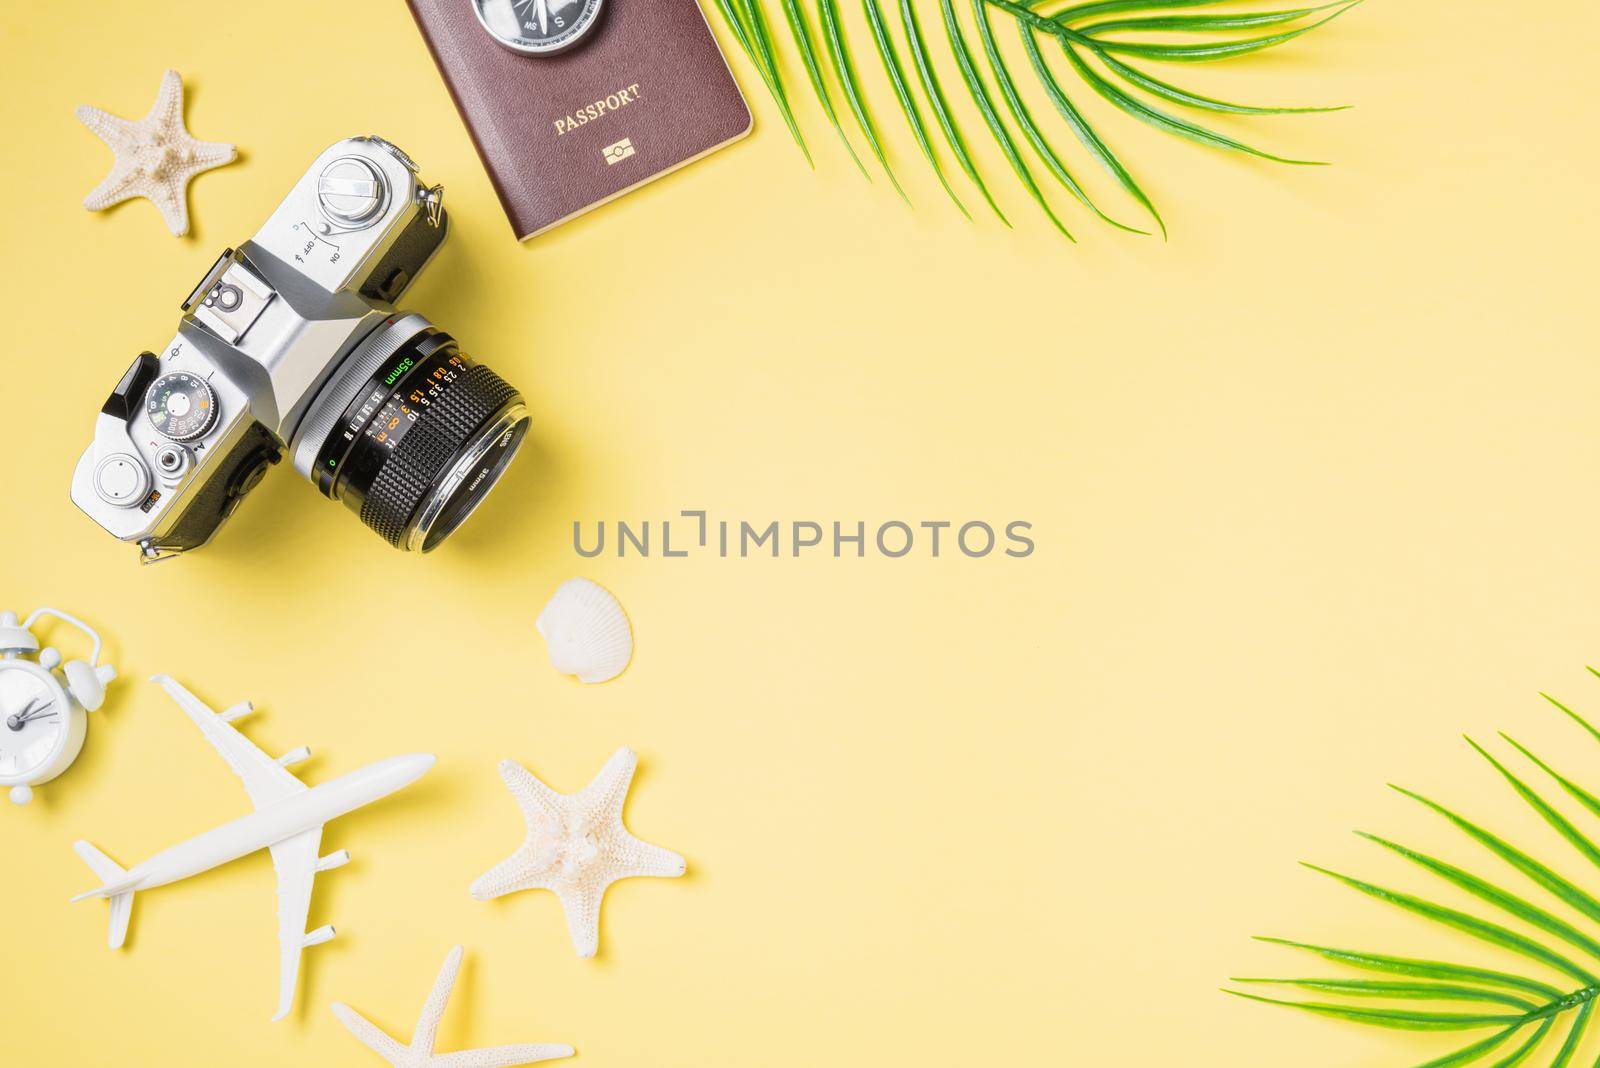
[[447, 425], [385, 413], [375, 351]]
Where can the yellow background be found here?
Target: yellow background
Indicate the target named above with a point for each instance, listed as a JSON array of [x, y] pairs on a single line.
[[1313, 487]]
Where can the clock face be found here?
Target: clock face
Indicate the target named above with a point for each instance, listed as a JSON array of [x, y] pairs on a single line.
[[539, 27], [34, 720]]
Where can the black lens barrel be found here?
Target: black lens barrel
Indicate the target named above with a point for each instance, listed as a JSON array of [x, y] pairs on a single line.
[[408, 453], [461, 414]]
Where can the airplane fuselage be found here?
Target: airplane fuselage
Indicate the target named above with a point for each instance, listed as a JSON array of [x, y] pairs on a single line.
[[279, 821]]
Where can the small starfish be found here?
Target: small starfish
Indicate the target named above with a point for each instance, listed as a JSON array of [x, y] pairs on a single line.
[[420, 1053], [156, 156], [576, 846]]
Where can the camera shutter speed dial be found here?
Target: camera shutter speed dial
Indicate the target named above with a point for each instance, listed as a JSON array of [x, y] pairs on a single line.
[[180, 406], [351, 191]]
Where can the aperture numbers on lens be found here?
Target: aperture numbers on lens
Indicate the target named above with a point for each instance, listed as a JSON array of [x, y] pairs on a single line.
[[398, 413]]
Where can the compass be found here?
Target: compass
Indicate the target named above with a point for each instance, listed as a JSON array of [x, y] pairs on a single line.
[[538, 27]]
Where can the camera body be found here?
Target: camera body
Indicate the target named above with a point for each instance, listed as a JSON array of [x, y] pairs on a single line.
[[279, 345]]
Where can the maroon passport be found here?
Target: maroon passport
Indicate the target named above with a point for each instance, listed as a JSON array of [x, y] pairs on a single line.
[[645, 93]]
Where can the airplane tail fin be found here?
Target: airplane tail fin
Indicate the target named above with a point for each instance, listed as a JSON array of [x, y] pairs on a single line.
[[117, 888]]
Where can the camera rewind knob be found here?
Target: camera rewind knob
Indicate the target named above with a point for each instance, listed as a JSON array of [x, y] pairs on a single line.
[[351, 191]]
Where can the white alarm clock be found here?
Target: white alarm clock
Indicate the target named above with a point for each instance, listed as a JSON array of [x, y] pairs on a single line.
[[44, 703]]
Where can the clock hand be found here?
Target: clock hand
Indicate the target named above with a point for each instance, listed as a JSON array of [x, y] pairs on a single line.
[[28, 715], [17, 719]]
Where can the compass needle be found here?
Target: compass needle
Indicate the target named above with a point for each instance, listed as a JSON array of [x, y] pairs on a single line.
[[537, 27]]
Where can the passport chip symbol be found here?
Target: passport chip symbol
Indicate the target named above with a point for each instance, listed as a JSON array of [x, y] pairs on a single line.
[[618, 152]]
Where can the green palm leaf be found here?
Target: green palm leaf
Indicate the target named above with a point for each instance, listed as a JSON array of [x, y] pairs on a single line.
[[1089, 37], [1204, 23], [757, 42], [934, 93], [1396, 1018], [1540, 1020], [980, 96], [1022, 117], [808, 55], [1527, 1049], [1086, 134], [1161, 120], [1533, 869], [1576, 792], [1373, 988], [1167, 91], [908, 106], [1205, 53], [1472, 1052], [1079, 12], [1574, 1036], [1423, 969], [844, 70], [1523, 910], [1549, 815]]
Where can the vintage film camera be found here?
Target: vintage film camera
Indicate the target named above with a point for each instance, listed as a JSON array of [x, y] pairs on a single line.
[[291, 341]]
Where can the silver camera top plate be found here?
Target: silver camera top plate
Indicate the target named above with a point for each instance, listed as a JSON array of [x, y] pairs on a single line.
[[263, 332]]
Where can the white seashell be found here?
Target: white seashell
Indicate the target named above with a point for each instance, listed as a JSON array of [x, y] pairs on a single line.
[[586, 631]]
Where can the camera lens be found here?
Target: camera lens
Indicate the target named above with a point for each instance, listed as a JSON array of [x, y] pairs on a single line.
[[410, 433]]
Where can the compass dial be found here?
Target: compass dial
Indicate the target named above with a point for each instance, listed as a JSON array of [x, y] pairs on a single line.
[[180, 406], [539, 27]]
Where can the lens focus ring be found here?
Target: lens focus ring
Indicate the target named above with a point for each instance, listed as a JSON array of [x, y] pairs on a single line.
[[444, 428]]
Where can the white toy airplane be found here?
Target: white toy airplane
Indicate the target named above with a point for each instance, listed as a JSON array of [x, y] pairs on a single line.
[[288, 820]]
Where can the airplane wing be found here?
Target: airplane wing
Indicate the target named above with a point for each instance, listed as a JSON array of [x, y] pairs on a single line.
[[294, 859], [296, 864], [265, 779]]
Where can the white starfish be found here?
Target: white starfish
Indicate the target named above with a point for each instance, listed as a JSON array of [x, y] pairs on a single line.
[[156, 157], [419, 1054], [576, 846]]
